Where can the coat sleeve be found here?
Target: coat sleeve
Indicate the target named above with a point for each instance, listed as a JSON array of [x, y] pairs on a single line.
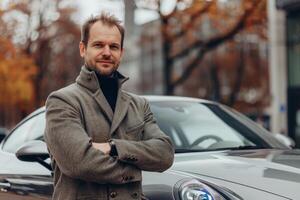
[[155, 152], [72, 149]]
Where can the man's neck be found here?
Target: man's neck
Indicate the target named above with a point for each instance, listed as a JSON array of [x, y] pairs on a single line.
[[109, 87]]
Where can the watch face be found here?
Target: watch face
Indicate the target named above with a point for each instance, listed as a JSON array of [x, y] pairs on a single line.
[[111, 143], [113, 149]]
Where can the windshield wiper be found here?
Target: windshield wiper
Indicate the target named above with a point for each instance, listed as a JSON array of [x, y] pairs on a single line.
[[189, 150], [239, 148], [249, 147]]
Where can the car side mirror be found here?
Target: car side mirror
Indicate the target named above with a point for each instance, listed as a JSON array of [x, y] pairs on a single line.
[[34, 151]]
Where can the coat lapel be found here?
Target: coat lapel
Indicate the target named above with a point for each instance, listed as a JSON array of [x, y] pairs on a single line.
[[88, 79], [104, 105], [122, 105]]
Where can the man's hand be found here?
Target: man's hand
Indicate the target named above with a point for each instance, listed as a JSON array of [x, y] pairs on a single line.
[[104, 147]]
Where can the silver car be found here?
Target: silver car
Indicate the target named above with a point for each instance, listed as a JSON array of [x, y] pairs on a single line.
[[220, 155]]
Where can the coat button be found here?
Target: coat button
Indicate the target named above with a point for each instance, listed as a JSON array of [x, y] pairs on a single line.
[[135, 195], [113, 194]]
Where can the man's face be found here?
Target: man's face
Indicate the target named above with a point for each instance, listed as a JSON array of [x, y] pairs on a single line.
[[103, 51]]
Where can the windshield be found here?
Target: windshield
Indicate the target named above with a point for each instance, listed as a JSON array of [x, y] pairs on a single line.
[[195, 126], [192, 126]]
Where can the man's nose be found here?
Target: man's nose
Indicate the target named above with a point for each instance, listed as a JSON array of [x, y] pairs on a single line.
[[106, 51]]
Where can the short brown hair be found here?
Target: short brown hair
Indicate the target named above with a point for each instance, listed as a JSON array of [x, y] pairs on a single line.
[[106, 19]]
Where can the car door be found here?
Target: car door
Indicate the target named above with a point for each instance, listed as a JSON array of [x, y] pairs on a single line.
[[24, 180]]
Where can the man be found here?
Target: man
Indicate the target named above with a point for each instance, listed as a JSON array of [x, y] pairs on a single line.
[[100, 137]]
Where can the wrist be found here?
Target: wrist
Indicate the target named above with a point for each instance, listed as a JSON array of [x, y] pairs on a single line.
[[103, 147], [113, 148]]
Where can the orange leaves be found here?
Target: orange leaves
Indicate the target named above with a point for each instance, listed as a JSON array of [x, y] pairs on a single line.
[[17, 72], [216, 43], [37, 38], [206, 20], [7, 49]]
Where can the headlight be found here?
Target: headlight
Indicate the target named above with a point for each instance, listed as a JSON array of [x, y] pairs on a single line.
[[192, 189]]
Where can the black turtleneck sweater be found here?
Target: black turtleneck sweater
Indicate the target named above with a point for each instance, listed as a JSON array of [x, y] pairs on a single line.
[[109, 87]]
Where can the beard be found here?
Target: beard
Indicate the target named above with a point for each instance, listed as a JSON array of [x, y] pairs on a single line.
[[101, 69]]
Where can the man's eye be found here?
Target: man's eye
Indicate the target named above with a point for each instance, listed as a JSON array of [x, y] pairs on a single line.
[[98, 45], [114, 47]]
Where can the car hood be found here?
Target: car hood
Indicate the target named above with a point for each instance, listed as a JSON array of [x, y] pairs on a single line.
[[274, 171]]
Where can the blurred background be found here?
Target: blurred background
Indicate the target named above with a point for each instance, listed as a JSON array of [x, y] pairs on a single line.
[[242, 53]]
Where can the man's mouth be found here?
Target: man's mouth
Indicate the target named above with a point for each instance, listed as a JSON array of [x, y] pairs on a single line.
[[105, 61]]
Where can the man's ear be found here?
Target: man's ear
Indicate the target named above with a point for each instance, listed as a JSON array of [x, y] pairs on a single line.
[[122, 52], [82, 49]]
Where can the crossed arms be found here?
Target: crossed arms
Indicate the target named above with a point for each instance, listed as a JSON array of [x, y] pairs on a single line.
[[79, 157]]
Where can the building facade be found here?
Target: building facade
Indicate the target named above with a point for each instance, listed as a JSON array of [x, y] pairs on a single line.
[[291, 8]]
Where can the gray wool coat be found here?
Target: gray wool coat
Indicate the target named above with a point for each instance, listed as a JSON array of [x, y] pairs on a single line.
[[78, 115]]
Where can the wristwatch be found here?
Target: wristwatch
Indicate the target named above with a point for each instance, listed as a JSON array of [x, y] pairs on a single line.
[[113, 149]]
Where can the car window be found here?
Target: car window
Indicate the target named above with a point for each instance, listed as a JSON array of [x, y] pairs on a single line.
[[197, 126], [31, 129], [265, 134]]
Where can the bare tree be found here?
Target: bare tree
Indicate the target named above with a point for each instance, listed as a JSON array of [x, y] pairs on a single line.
[[46, 32], [194, 28]]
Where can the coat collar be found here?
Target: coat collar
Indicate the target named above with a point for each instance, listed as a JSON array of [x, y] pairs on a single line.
[[89, 80]]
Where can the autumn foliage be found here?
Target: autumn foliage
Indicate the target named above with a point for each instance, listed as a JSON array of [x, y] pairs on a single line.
[[17, 72], [38, 37], [216, 50]]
